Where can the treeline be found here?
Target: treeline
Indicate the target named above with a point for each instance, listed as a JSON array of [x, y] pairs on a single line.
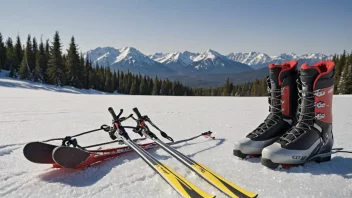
[[46, 63], [255, 88], [343, 73]]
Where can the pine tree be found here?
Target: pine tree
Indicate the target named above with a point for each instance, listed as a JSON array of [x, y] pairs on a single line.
[[345, 86], [226, 90], [87, 72], [114, 81], [37, 77], [94, 79], [34, 50], [2, 53], [156, 89], [18, 53], [339, 67], [41, 64], [108, 87], [47, 49], [150, 86], [10, 58], [29, 54], [73, 66], [134, 88], [24, 69], [143, 87], [56, 70]]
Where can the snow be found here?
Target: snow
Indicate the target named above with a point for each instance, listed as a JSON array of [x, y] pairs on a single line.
[[29, 85], [37, 112], [156, 56]]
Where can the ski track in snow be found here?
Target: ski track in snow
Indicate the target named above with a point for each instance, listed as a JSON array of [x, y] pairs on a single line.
[[8, 149], [32, 115]]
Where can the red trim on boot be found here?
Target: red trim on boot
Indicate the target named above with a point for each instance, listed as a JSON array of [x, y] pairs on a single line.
[[323, 67], [284, 67], [285, 96]]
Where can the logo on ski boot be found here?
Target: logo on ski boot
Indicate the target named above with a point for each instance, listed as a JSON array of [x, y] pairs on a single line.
[[299, 157]]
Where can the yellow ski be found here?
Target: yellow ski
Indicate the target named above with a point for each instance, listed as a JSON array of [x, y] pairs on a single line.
[[216, 180], [219, 182], [184, 187]]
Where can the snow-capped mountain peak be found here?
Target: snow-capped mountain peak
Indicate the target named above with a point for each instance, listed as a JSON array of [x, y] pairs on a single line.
[[156, 55], [184, 58], [208, 54], [133, 55], [250, 58], [102, 55]]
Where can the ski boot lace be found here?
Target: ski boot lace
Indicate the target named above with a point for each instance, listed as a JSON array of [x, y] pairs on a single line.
[[274, 100], [306, 114]]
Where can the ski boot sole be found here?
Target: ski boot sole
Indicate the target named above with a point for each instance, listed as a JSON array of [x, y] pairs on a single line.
[[268, 163], [239, 154]]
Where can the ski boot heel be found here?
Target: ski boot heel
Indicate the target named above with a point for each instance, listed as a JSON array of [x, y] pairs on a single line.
[[239, 154]]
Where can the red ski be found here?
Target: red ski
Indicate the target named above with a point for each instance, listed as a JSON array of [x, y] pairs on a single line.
[[70, 157]]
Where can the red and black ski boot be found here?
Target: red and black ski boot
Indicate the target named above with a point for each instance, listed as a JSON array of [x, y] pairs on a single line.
[[311, 139], [283, 106]]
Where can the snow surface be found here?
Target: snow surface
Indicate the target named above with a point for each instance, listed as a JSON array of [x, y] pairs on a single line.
[[30, 113], [24, 84]]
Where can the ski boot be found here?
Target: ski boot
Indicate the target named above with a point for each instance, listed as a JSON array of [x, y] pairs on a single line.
[[311, 139], [282, 99]]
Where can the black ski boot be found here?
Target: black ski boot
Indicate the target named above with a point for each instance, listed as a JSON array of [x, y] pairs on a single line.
[[311, 139], [283, 106]]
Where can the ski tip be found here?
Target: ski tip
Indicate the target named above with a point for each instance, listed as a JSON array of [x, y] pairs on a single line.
[[39, 152], [69, 157]]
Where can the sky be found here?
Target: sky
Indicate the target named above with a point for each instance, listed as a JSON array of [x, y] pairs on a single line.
[[226, 26]]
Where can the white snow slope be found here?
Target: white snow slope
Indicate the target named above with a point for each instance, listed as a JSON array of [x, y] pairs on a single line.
[[37, 114]]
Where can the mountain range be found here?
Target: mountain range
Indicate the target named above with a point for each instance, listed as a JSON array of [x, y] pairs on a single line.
[[259, 60], [195, 69]]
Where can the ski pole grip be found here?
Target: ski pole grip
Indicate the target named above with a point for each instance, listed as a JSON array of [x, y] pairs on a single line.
[[112, 112], [136, 111]]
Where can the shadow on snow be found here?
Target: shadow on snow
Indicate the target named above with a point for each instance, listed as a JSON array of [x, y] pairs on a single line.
[[339, 165]]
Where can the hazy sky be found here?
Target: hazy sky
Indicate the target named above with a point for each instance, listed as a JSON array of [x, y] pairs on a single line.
[[151, 26]]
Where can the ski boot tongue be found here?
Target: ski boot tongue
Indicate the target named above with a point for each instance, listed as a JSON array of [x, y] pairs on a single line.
[[274, 77], [308, 75]]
